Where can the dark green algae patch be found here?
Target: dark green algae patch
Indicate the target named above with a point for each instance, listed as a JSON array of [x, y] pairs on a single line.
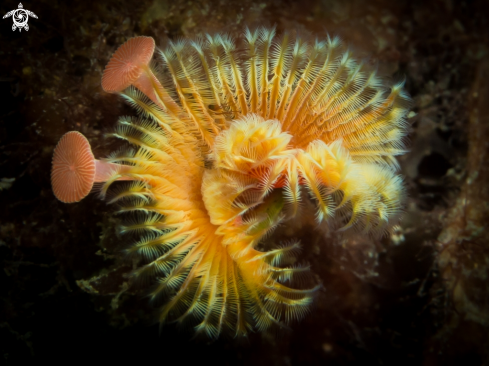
[[417, 297]]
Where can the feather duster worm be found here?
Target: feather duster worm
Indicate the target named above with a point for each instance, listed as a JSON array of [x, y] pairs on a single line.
[[233, 133]]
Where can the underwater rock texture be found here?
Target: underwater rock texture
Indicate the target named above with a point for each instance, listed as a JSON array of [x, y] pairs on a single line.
[[418, 296]]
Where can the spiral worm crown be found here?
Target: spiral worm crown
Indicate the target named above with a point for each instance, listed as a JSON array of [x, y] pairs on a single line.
[[234, 134]]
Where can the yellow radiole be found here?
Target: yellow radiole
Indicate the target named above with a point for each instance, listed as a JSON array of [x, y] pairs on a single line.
[[233, 134]]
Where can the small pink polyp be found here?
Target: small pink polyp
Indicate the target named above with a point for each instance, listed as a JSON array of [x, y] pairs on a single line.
[[75, 169], [130, 66]]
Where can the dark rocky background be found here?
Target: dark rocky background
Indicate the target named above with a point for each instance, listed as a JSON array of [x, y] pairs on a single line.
[[420, 296]]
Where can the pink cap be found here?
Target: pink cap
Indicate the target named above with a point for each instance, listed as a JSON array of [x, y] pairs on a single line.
[[73, 171], [126, 64]]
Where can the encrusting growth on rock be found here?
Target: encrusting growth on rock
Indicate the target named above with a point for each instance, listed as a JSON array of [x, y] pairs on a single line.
[[233, 134]]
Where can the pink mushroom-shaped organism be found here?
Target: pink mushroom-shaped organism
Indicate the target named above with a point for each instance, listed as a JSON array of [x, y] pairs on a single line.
[[75, 169], [129, 65]]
